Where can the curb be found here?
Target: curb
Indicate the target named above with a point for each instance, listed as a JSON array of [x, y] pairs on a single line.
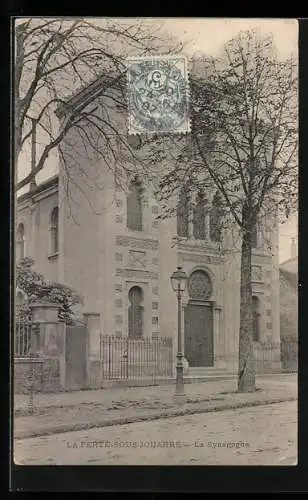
[[143, 418], [22, 412], [19, 410]]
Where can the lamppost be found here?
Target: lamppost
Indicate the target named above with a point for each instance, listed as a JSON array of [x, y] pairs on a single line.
[[178, 282]]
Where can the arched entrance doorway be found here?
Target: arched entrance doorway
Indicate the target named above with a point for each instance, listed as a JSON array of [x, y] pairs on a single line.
[[198, 321]]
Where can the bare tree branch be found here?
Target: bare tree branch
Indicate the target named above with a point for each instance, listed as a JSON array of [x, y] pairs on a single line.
[[56, 58]]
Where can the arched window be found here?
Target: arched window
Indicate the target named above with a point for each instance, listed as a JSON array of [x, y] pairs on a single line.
[[134, 206], [183, 213], [20, 242], [199, 217], [255, 318], [216, 218], [135, 312], [200, 286], [54, 231]]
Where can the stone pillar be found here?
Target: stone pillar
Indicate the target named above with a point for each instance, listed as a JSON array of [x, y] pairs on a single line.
[[45, 315], [275, 292], [263, 334], [146, 212], [219, 345], [185, 299], [207, 226], [33, 208], [92, 322], [48, 342], [191, 218], [93, 325]]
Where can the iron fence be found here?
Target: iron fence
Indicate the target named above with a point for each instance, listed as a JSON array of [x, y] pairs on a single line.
[[22, 340], [289, 354], [126, 358], [271, 357], [266, 355]]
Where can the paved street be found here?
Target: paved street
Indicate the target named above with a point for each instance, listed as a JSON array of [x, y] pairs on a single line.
[[75, 411], [262, 435]]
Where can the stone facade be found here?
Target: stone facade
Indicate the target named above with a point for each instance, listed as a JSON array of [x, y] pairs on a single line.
[[103, 259], [34, 211], [289, 295]]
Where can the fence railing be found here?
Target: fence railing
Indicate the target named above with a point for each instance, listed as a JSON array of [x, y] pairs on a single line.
[[289, 354], [265, 356], [283, 356], [126, 358], [22, 339]]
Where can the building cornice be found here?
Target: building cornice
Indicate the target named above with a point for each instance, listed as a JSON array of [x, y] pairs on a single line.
[[87, 94], [41, 191], [293, 259]]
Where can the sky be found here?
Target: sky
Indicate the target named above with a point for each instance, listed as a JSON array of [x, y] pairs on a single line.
[[207, 36]]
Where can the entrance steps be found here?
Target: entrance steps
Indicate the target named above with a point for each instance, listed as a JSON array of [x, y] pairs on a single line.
[[205, 370], [208, 373]]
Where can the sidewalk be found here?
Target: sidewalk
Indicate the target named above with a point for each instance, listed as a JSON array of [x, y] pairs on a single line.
[[64, 412]]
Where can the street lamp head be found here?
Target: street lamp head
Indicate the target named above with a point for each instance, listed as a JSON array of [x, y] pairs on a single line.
[[179, 280]]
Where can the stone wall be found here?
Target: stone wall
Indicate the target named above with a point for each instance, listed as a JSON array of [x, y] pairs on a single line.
[[28, 375], [36, 375], [43, 370]]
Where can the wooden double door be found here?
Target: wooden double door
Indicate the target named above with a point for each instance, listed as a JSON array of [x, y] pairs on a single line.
[[198, 334]]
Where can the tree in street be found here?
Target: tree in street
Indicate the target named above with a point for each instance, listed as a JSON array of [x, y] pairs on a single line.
[[243, 143]]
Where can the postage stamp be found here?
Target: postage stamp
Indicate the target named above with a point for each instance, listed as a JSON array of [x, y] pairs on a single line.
[[158, 95]]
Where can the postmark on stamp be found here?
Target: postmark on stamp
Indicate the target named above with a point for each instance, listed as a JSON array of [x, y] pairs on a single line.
[[158, 95]]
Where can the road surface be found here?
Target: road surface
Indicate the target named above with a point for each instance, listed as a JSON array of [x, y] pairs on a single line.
[[262, 435]]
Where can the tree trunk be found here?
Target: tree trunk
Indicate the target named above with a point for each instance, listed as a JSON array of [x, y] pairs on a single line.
[[246, 373], [18, 68]]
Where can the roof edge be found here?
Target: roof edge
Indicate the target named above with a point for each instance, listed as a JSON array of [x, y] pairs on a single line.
[[52, 181], [85, 95], [287, 261]]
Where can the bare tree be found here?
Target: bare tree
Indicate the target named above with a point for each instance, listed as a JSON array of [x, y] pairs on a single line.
[[54, 59], [244, 143]]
